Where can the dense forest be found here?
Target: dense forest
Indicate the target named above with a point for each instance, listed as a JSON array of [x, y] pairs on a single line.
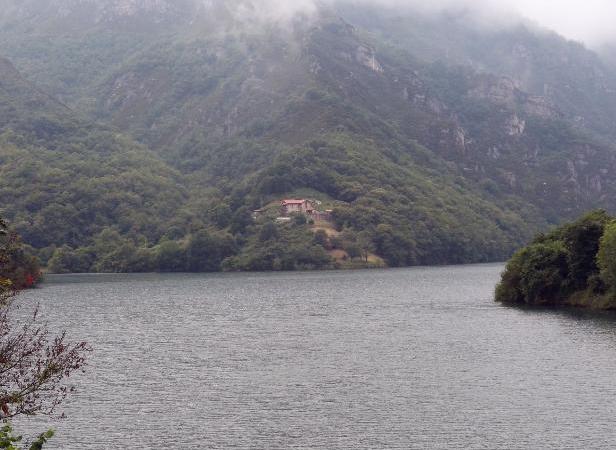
[[573, 265], [142, 139]]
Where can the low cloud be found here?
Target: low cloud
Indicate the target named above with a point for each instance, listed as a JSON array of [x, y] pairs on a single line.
[[589, 21], [276, 10]]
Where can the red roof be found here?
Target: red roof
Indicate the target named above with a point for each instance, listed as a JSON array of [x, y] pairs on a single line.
[[293, 202]]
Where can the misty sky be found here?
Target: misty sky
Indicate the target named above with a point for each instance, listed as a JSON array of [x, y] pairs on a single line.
[[591, 21]]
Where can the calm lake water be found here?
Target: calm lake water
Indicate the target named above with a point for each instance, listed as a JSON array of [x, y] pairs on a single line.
[[412, 358]]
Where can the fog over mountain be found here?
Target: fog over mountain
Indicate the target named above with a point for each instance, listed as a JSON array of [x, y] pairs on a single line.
[[588, 21]]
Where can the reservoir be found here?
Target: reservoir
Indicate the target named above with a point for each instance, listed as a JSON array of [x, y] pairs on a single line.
[[389, 359]]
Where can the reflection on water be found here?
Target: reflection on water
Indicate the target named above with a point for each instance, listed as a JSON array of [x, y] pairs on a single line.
[[412, 358]]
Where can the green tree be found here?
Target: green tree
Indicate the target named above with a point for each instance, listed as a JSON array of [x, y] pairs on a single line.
[[66, 260], [536, 275], [240, 220], [206, 251], [9, 441], [299, 219], [365, 244], [17, 265], [221, 215], [395, 248], [321, 238], [606, 257], [34, 366], [268, 232], [582, 241], [353, 250], [170, 257], [6, 290]]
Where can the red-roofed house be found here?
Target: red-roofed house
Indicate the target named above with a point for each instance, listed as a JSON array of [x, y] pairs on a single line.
[[291, 206]]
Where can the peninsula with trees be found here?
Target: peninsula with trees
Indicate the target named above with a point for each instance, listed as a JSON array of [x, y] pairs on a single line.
[[574, 265]]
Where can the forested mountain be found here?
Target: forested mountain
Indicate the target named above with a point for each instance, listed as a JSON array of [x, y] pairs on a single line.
[[64, 180], [435, 139]]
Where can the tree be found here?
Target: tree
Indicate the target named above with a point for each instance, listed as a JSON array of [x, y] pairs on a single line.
[[353, 250], [206, 251], [268, 232], [66, 260], [8, 440], [34, 365], [582, 241], [240, 220], [536, 275], [299, 219], [366, 245], [221, 215], [17, 265], [357, 245], [6, 291], [321, 239], [170, 257], [606, 258], [395, 248]]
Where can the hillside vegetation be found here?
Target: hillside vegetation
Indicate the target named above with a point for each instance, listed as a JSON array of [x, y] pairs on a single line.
[[573, 265], [142, 137]]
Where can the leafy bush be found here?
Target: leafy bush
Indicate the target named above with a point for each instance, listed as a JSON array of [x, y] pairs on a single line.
[[8, 440]]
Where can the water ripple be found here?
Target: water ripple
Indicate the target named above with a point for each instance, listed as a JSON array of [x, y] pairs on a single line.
[[399, 359]]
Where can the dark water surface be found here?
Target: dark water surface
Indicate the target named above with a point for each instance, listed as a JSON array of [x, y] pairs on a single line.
[[412, 358]]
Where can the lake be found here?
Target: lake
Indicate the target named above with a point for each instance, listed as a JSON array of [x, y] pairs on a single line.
[[406, 358]]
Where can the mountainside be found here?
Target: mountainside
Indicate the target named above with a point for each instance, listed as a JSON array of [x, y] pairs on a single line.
[[64, 180], [569, 78], [441, 147]]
